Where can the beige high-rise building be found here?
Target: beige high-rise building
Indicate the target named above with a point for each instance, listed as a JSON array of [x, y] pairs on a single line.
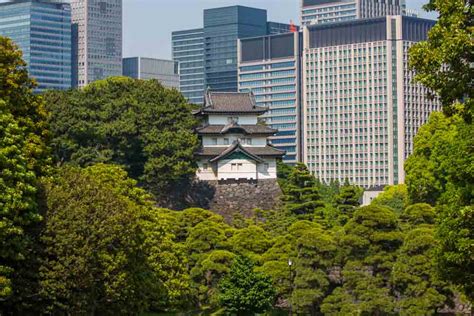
[[97, 40], [362, 107]]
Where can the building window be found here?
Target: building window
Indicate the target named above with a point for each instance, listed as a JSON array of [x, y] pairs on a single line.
[[214, 141], [235, 166], [226, 141], [246, 141], [233, 119], [266, 166]]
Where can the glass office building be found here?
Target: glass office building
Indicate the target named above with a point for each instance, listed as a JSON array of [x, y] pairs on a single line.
[[269, 66], [222, 28], [208, 56], [42, 30], [362, 107], [188, 50]]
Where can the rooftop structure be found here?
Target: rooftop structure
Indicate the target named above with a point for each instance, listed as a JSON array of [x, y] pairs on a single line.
[[329, 11], [165, 71]]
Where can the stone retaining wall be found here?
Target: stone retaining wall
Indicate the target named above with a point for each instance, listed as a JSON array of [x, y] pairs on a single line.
[[229, 198]]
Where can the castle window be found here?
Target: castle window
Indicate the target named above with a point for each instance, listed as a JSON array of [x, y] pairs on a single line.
[[226, 141], [232, 119]]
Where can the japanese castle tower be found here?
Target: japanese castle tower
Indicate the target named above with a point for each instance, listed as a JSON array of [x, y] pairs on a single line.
[[235, 148]]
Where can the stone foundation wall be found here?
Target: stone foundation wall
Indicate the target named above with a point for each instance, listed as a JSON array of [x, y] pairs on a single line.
[[230, 197]]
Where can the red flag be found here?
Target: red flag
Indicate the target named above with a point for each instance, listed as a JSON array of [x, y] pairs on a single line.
[[293, 28]]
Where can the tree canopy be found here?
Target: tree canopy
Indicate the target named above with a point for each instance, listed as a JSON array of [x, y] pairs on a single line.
[[23, 160], [443, 63], [244, 291], [138, 124]]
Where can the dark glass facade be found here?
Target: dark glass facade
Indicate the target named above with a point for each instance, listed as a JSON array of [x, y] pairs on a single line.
[[208, 56], [42, 30], [222, 28]]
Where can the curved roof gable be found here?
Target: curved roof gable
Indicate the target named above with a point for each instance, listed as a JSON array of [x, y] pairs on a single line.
[[231, 102]]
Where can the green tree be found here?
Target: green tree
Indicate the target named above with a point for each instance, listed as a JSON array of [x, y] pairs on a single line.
[[442, 161], [371, 240], [418, 214], [206, 273], [443, 63], [138, 124], [440, 172], [394, 196], [23, 160], [168, 261], [209, 258], [244, 291], [362, 293], [251, 242], [301, 194], [347, 201], [315, 256], [93, 257], [455, 233], [414, 275]]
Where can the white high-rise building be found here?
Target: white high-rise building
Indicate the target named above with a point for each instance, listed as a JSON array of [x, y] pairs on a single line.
[[327, 11], [361, 105], [97, 40]]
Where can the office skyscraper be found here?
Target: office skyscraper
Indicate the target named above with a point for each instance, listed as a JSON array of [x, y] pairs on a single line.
[[165, 71], [209, 55], [269, 66], [97, 40], [327, 11], [42, 30], [188, 50], [362, 108]]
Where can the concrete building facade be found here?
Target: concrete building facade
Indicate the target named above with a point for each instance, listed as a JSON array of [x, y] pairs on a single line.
[[361, 105], [97, 40], [42, 30], [329, 11], [165, 71]]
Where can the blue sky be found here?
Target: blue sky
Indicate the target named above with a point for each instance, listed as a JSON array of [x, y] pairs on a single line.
[[148, 23]]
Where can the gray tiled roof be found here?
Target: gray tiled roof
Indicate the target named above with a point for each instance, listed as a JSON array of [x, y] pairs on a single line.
[[246, 129], [268, 151], [231, 102]]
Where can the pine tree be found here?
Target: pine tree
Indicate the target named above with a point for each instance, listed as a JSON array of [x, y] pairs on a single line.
[[244, 291], [347, 202], [302, 194]]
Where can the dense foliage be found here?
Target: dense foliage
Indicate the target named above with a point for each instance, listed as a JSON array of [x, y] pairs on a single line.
[[86, 236], [244, 291], [23, 160], [138, 124], [443, 63], [441, 173]]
